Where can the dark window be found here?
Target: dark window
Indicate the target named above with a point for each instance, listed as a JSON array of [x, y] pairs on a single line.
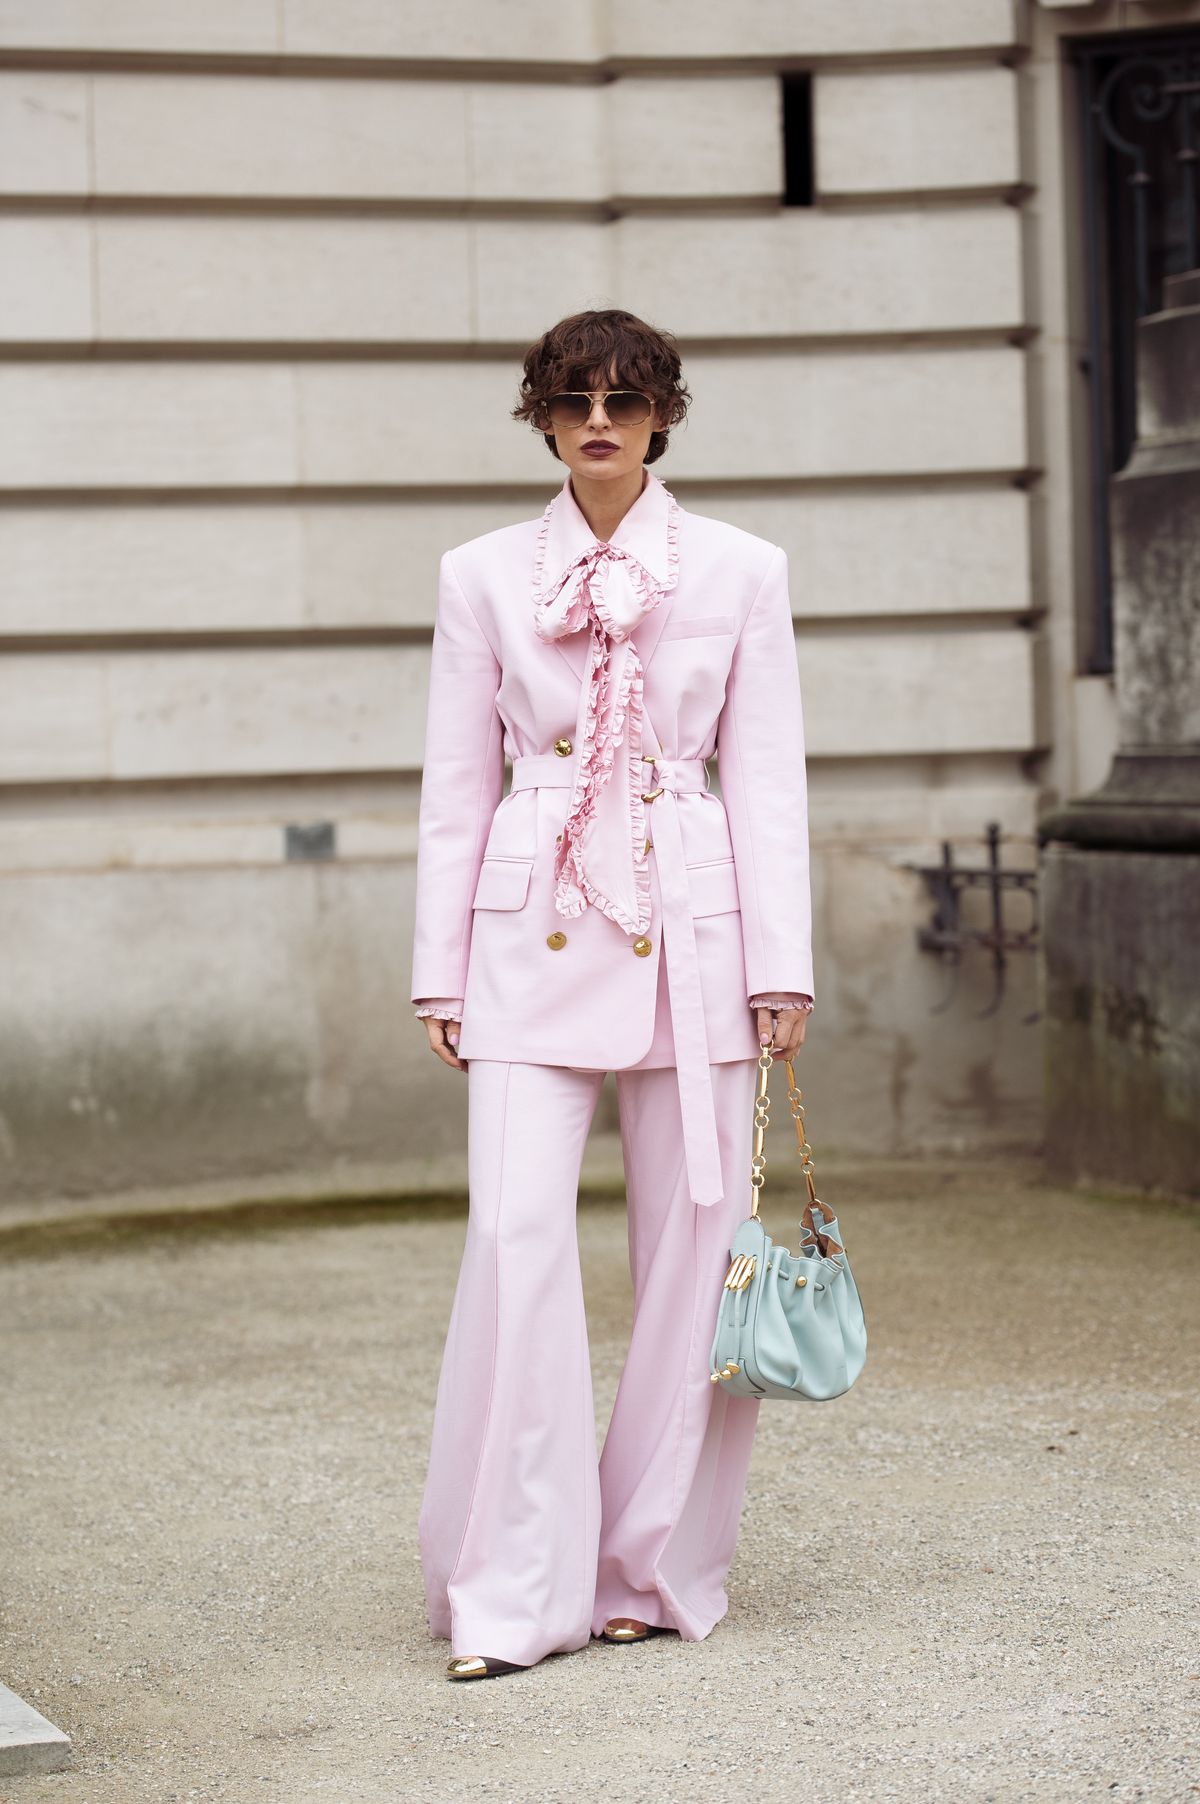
[[310, 840], [798, 179], [1140, 117]]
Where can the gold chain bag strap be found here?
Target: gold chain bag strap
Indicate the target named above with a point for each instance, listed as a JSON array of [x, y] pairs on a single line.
[[788, 1324]]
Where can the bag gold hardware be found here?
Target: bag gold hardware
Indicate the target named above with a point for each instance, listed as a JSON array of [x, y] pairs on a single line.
[[826, 1244], [740, 1272]]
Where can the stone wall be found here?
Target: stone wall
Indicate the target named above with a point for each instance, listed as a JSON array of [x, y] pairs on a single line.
[[266, 273], [1123, 1017]]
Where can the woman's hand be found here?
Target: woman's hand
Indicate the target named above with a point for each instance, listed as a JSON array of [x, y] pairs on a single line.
[[789, 1033], [443, 1039]]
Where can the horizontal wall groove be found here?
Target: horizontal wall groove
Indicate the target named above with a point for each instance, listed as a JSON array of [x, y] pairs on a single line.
[[319, 67], [180, 207], [605, 210], [313, 638], [590, 72], [298, 795], [394, 791], [280, 794], [287, 779], [285, 350], [318, 638], [535, 491], [814, 627], [142, 867], [118, 840], [385, 494], [901, 768], [899, 200]]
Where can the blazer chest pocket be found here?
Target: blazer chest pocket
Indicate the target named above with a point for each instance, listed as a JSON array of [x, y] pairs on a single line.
[[713, 887], [502, 883]]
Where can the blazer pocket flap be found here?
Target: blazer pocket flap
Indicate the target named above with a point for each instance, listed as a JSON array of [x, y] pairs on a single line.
[[698, 627], [713, 887], [502, 883]]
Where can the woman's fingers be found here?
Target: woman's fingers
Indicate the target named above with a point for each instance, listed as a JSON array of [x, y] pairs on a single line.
[[443, 1040], [789, 1034], [790, 1027]]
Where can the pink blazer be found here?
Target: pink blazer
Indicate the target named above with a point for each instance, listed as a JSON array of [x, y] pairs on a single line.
[[560, 962]]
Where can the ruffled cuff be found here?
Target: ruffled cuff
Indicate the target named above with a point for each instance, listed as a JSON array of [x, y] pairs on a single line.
[[781, 1002], [440, 1008]]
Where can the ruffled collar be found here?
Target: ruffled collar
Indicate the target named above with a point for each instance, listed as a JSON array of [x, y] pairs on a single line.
[[645, 547]]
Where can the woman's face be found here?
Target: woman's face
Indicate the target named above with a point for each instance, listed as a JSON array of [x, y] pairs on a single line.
[[629, 443]]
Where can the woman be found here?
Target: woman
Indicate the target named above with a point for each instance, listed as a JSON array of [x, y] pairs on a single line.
[[609, 913]]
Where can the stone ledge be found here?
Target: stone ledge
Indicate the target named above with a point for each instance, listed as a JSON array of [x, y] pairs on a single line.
[[28, 1743], [1150, 802], [437, 1177]]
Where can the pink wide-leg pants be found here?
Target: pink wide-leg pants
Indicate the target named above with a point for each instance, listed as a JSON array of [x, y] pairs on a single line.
[[528, 1542]]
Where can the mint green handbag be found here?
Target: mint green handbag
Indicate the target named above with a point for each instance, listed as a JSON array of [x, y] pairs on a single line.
[[789, 1324]]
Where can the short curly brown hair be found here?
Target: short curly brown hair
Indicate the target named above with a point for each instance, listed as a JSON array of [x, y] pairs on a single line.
[[568, 355]]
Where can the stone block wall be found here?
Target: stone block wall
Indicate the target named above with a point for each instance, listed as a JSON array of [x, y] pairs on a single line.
[[266, 274]]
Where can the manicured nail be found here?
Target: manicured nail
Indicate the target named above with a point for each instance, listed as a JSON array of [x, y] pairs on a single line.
[[453, 1039]]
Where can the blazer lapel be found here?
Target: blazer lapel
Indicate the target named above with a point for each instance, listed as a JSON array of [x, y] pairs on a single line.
[[646, 634], [574, 652]]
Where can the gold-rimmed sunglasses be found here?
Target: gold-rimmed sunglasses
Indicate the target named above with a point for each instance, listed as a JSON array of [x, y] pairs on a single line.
[[624, 407]]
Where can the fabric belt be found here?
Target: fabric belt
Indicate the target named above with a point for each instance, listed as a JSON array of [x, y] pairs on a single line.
[[673, 777]]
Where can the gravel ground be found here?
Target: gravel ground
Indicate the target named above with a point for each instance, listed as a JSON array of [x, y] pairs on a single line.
[[973, 1578]]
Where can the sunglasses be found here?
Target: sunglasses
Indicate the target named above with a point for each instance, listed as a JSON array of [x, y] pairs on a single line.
[[624, 407]]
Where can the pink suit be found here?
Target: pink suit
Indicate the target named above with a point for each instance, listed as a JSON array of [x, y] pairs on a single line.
[[611, 912]]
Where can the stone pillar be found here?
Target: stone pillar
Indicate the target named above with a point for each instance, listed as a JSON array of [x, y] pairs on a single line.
[[1120, 869]]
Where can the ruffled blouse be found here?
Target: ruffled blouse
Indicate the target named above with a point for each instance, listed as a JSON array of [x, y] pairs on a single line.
[[606, 591]]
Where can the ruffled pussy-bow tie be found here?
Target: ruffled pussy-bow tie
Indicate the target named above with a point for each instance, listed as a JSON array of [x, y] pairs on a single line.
[[606, 591]]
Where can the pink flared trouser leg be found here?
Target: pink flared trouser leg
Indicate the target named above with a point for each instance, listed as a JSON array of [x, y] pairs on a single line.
[[528, 1543], [673, 1469]]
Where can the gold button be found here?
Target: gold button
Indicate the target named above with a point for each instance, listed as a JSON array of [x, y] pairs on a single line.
[[563, 747], [556, 941], [643, 948]]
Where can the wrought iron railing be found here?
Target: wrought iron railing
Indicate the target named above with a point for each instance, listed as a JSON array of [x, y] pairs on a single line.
[[947, 933]]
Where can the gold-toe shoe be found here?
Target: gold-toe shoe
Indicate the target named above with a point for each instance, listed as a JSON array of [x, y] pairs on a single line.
[[629, 1628], [479, 1666]]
